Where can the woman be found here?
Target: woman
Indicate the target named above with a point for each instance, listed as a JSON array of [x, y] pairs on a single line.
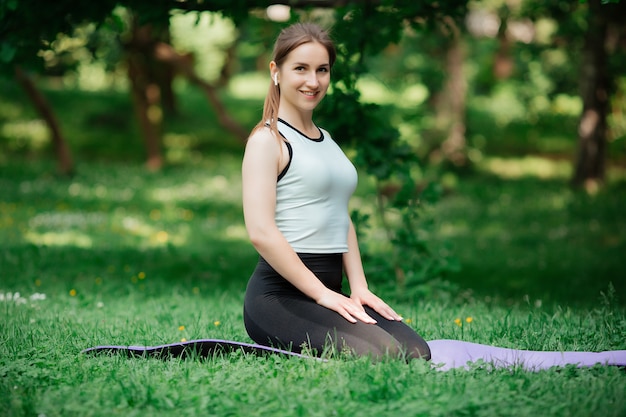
[[296, 187]]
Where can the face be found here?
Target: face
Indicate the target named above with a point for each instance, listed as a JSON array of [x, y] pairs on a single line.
[[303, 77]]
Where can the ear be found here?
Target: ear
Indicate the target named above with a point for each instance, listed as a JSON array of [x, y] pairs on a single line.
[[274, 72]]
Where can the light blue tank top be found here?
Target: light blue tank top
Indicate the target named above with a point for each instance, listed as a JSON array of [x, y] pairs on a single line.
[[312, 193]]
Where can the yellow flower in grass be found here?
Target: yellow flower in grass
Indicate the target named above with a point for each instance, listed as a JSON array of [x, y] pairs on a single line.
[[458, 322], [141, 275], [183, 340], [181, 328], [162, 236], [217, 323], [469, 319], [73, 292]]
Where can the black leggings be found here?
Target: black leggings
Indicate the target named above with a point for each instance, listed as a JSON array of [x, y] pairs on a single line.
[[278, 314]]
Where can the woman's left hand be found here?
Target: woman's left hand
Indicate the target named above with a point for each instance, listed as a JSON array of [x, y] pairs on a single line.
[[367, 298]]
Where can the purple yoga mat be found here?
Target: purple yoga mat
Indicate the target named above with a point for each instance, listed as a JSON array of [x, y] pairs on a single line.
[[446, 354]]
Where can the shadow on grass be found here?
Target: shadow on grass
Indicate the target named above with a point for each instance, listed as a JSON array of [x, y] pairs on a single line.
[[536, 240], [218, 267]]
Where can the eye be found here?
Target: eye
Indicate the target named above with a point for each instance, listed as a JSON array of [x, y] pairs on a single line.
[[323, 69], [300, 68]]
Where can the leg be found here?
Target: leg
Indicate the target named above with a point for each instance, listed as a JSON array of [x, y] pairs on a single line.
[[295, 321], [413, 345]]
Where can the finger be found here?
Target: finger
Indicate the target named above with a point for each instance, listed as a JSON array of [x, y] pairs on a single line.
[[364, 317], [347, 316], [388, 312], [357, 311]]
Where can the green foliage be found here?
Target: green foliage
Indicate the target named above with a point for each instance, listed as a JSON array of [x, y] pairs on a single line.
[[26, 27], [207, 36]]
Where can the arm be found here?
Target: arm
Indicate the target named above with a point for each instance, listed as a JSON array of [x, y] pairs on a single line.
[[260, 168], [359, 290]]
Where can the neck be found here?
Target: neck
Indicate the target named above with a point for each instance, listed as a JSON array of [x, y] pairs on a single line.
[[303, 121]]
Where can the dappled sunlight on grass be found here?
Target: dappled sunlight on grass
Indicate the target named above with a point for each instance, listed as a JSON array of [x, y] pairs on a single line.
[[179, 148], [125, 206], [528, 166], [199, 189], [29, 134], [67, 238]]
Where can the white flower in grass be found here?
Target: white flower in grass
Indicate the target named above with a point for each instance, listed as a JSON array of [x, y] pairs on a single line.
[[12, 296], [17, 298], [37, 297]]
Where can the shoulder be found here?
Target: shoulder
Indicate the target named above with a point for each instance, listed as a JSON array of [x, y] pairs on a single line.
[[264, 148], [263, 139], [262, 134]]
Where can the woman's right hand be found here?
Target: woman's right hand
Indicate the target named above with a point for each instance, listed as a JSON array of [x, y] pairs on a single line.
[[345, 306]]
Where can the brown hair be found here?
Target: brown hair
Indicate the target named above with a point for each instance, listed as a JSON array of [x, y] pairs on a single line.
[[289, 39]]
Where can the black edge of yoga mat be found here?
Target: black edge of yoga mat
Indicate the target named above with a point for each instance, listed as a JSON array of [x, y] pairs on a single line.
[[195, 348]]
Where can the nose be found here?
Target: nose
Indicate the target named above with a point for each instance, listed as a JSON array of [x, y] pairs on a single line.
[[312, 80]]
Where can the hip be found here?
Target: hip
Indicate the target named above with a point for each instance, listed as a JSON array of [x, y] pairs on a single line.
[[328, 268]]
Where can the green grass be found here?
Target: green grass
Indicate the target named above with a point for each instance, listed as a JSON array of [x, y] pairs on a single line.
[[537, 239], [125, 256], [129, 257]]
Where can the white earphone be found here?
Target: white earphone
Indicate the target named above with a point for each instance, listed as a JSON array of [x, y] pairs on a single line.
[[276, 79]]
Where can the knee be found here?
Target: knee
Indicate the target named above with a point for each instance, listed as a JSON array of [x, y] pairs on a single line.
[[421, 351]]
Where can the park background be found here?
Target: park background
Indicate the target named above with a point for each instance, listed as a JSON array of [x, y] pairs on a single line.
[[490, 138]]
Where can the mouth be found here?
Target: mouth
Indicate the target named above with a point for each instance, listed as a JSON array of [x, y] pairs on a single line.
[[309, 93]]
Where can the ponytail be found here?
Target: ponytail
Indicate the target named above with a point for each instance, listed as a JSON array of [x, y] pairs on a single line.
[[270, 110]]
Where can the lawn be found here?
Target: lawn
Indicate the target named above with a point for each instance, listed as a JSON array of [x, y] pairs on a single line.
[[119, 255]]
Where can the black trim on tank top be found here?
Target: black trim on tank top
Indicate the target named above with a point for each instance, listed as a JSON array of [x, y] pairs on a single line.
[[321, 138], [290, 150]]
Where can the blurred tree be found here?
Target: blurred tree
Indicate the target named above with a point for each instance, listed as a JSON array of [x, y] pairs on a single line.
[[451, 103], [592, 33], [597, 87], [26, 28], [150, 79]]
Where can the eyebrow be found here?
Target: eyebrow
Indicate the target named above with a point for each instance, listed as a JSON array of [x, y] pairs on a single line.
[[303, 64]]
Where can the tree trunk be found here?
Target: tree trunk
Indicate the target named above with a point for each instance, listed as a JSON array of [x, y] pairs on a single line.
[[164, 73], [184, 65], [451, 112], [62, 151], [145, 91], [503, 61], [590, 166]]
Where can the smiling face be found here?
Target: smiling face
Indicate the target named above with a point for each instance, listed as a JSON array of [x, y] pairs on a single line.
[[303, 77]]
